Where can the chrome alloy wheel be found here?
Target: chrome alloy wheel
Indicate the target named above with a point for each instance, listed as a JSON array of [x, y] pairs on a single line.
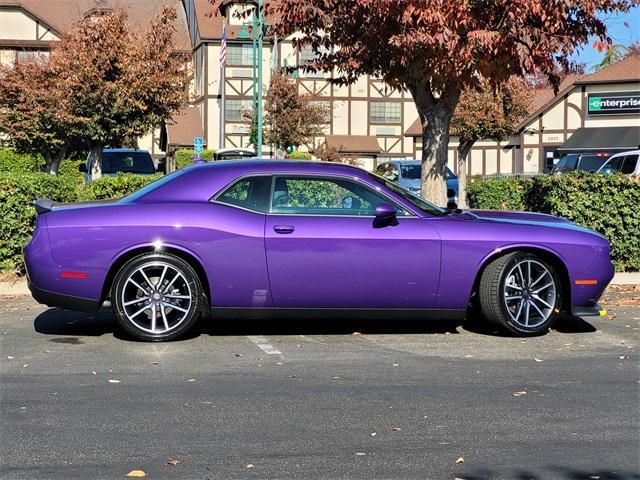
[[530, 293], [156, 298]]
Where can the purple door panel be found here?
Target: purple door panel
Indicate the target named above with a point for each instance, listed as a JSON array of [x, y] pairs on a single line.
[[344, 262]]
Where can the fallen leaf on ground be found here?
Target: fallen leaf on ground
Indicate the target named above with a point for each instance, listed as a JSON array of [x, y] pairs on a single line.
[[25, 365], [136, 473], [539, 360], [372, 434], [623, 357], [460, 460], [10, 357], [191, 380], [114, 381], [250, 465], [174, 461], [360, 454], [155, 363], [396, 429], [356, 333], [93, 372], [395, 365], [519, 394], [292, 375]]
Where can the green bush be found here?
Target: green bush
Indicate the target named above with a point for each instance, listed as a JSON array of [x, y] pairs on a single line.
[[115, 187], [502, 194], [18, 191], [298, 155], [69, 168], [604, 203], [184, 157], [10, 161]]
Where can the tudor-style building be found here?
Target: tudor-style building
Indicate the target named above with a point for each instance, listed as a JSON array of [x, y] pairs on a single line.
[[368, 119]]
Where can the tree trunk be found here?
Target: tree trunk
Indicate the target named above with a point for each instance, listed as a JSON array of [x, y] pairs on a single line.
[[95, 156], [53, 159], [463, 153], [435, 116]]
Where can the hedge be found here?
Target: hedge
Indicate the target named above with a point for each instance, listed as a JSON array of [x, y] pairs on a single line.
[[115, 187], [17, 214], [10, 161], [184, 157], [298, 155], [605, 203]]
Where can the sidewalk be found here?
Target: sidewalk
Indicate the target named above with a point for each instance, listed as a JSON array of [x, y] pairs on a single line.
[[20, 287]]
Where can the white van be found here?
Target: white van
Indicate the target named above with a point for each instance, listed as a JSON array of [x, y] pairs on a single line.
[[625, 162]]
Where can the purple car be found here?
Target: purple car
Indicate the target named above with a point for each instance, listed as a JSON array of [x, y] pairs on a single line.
[[281, 238]]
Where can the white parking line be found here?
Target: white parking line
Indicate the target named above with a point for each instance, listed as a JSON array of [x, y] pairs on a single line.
[[264, 345]]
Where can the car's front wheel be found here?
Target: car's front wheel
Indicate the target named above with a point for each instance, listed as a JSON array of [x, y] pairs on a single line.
[[521, 292], [156, 296]]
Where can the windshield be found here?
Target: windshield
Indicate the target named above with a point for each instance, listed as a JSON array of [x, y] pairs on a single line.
[[132, 162], [591, 163], [420, 203]]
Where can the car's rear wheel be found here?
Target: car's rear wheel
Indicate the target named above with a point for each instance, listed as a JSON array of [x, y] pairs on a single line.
[[156, 296], [521, 292]]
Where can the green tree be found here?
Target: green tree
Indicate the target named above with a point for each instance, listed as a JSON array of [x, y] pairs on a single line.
[[487, 113]]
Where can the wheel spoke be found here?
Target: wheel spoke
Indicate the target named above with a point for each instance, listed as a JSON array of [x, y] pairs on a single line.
[[526, 314], [154, 315], [167, 304], [542, 315], [528, 283], [164, 271], [137, 300], [550, 284], [519, 310], [146, 307], [512, 297], [544, 274], [181, 297], [166, 289], [521, 276], [515, 287], [538, 299], [140, 287], [146, 279], [164, 317]]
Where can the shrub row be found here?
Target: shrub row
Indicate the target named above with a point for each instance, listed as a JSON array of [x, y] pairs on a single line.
[[605, 203], [184, 157], [19, 190]]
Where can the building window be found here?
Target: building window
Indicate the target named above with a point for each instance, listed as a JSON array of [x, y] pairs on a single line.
[[240, 54], [237, 110], [384, 112], [37, 56], [307, 55]]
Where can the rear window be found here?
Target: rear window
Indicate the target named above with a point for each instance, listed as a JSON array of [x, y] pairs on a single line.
[[131, 162]]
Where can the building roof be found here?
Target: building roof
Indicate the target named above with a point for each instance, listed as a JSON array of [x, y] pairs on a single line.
[[60, 15], [184, 126], [363, 144], [603, 138]]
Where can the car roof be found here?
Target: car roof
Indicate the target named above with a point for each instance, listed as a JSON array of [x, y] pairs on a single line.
[[628, 152], [275, 165], [124, 150], [226, 150]]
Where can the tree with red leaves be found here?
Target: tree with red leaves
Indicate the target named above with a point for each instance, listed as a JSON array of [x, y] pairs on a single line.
[[436, 49], [103, 85]]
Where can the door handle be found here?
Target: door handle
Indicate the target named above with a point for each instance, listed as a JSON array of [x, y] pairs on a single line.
[[283, 229]]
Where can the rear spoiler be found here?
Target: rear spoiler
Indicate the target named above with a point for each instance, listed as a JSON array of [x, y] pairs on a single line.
[[44, 205]]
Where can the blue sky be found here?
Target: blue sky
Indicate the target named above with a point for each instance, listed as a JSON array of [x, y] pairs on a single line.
[[617, 31]]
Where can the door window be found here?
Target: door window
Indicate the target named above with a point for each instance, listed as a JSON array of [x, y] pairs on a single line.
[[251, 193], [629, 164], [324, 196]]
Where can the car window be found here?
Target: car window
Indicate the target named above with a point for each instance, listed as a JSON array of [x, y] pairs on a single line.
[[629, 164], [251, 193], [411, 172], [132, 162], [591, 163], [324, 196], [613, 165], [568, 162]]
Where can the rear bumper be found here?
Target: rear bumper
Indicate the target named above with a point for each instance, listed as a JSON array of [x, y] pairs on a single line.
[[595, 311], [60, 300]]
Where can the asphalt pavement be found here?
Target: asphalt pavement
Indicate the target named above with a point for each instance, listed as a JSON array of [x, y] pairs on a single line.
[[338, 399]]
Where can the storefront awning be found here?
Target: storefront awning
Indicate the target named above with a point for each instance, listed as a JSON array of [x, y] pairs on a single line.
[[603, 138]]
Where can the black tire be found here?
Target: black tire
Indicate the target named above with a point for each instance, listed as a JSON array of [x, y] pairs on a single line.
[[493, 295], [177, 314]]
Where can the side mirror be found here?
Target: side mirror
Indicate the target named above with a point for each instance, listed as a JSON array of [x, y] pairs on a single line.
[[82, 167], [384, 211]]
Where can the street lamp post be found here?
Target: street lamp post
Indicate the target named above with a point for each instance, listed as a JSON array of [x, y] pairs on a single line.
[[259, 32]]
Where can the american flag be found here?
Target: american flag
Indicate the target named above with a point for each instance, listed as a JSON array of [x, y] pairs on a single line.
[[223, 47]]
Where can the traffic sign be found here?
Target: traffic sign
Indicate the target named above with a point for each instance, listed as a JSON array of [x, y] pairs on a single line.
[[198, 145]]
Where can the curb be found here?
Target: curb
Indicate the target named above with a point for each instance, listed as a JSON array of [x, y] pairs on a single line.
[[20, 287]]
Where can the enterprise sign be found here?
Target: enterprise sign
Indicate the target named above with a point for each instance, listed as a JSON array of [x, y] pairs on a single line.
[[613, 103]]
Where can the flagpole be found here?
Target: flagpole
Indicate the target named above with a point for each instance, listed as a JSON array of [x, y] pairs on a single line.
[[223, 69]]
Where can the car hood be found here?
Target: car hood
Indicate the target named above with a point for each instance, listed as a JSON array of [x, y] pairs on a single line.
[[527, 218]]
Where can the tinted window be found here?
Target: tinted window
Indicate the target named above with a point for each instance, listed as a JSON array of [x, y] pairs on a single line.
[[629, 164], [251, 193], [324, 196], [411, 172], [133, 162], [568, 162], [613, 165], [420, 203], [591, 163]]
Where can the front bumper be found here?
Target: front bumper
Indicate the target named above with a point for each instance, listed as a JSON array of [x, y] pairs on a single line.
[[60, 300], [595, 311]]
